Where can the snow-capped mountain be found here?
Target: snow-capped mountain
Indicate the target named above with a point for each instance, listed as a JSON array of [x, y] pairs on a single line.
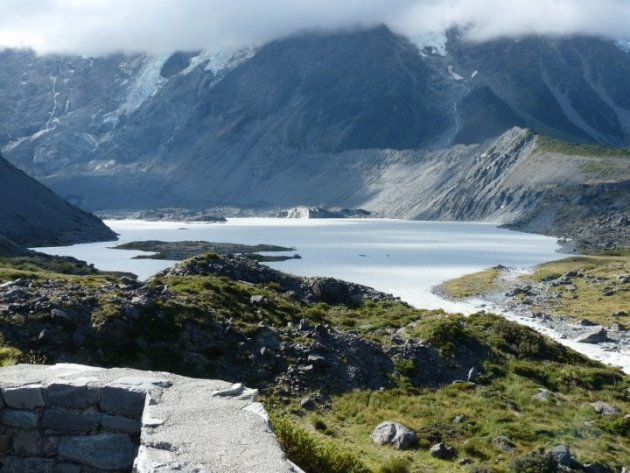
[[209, 128]]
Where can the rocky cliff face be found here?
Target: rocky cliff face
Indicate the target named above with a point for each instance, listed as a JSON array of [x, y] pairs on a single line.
[[32, 215], [364, 119]]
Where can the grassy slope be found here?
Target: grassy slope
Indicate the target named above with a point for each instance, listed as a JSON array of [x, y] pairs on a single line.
[[335, 438], [588, 300], [552, 145], [520, 363], [472, 285]]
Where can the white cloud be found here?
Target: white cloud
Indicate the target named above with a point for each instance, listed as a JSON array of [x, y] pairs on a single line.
[[101, 26]]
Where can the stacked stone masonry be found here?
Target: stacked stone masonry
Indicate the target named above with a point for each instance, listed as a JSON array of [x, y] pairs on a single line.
[[78, 419]]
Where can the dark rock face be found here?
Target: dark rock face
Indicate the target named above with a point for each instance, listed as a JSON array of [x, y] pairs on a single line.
[[564, 87], [300, 118], [32, 215]]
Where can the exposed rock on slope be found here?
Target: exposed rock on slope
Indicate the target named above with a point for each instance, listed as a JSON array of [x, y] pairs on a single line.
[[309, 120], [313, 289], [32, 215]]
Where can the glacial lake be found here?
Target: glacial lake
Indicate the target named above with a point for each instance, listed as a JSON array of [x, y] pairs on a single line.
[[405, 258]]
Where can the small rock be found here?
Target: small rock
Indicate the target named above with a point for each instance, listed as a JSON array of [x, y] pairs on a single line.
[[258, 300], [587, 323], [24, 397], [620, 313], [504, 444], [544, 395], [598, 336], [605, 409], [459, 419], [317, 360], [562, 454], [442, 451], [304, 325], [617, 327], [20, 419], [307, 403], [402, 437], [60, 314], [120, 401]]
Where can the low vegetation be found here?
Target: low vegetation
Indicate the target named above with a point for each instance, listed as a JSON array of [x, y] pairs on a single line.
[[596, 293], [214, 327], [594, 289], [553, 145], [473, 285], [180, 250], [518, 363]]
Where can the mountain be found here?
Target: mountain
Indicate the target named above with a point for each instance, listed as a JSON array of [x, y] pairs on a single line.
[[345, 119], [32, 215]]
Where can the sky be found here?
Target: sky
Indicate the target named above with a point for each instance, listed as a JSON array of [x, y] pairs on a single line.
[[94, 27]]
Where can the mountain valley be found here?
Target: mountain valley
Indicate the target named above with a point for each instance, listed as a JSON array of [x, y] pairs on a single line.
[[531, 132]]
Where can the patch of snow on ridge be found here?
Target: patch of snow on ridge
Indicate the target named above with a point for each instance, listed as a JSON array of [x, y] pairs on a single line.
[[454, 75], [431, 43], [216, 61], [144, 85], [624, 45]]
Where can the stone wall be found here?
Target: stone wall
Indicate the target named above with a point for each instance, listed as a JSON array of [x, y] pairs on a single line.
[[79, 419], [69, 427]]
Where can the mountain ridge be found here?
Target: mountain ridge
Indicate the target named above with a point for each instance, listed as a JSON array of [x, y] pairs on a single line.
[[340, 119], [32, 215]]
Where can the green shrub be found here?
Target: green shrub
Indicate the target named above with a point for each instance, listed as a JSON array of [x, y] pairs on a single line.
[[535, 463], [405, 366], [274, 286], [314, 454], [593, 379], [615, 425], [9, 356]]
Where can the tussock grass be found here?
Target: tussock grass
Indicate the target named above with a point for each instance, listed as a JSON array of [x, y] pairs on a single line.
[[473, 285], [518, 363], [584, 298]]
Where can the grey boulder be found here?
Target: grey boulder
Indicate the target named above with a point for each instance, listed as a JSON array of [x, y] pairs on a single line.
[[605, 409], [562, 454], [598, 336], [393, 433], [442, 451]]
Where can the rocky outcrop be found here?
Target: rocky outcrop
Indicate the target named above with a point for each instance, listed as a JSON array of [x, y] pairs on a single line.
[[314, 289], [32, 215], [126, 321], [79, 418]]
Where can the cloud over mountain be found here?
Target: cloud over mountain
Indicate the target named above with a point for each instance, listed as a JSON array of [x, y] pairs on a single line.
[[101, 26]]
